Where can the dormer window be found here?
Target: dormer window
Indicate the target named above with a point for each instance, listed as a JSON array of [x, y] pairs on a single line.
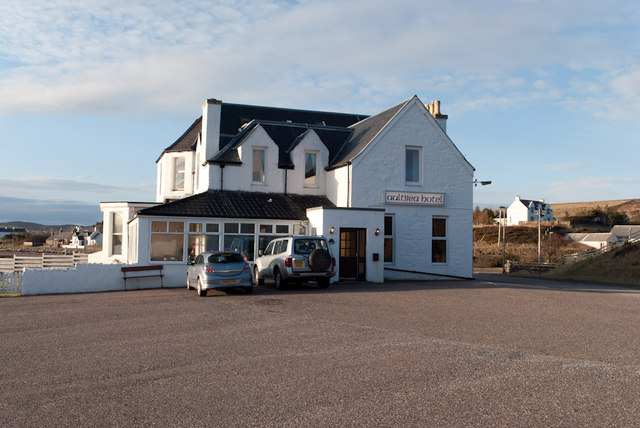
[[258, 165], [310, 168], [178, 173]]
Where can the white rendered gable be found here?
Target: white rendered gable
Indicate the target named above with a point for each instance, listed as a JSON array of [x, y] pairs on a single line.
[[241, 177], [310, 143]]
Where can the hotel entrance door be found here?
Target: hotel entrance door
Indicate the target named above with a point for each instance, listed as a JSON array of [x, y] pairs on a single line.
[[353, 254]]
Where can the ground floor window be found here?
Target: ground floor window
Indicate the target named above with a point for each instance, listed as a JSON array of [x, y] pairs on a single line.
[[184, 240], [116, 233], [388, 239], [438, 240], [202, 237], [167, 241]]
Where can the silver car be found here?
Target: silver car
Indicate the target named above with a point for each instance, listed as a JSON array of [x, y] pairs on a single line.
[[295, 258], [219, 269]]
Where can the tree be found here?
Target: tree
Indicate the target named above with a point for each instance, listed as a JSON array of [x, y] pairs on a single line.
[[485, 216], [551, 245]]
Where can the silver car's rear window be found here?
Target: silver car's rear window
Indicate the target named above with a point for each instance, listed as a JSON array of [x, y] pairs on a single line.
[[225, 258], [306, 246]]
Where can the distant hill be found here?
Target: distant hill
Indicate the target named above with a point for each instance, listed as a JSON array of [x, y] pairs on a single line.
[[36, 227], [629, 206]]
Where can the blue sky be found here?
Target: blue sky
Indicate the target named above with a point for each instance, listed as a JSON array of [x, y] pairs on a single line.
[[543, 97]]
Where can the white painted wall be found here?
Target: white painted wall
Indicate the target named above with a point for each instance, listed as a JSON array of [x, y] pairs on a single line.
[[88, 278], [128, 210], [166, 167], [382, 167], [295, 180], [241, 177], [325, 218], [338, 186]]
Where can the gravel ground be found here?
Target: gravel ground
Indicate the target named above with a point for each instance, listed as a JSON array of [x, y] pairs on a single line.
[[491, 352]]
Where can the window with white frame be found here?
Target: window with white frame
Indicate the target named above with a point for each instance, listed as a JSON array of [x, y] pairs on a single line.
[[412, 164], [116, 233], [388, 239], [258, 165], [310, 168], [202, 237], [240, 237], [178, 173], [438, 240], [167, 241]]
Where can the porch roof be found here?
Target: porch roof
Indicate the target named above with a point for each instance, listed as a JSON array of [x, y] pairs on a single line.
[[239, 204]]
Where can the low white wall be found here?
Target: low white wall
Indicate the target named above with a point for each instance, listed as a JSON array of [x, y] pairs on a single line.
[[87, 278]]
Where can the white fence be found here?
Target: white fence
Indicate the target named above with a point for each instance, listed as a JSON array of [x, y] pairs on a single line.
[[44, 261], [576, 257], [10, 283]]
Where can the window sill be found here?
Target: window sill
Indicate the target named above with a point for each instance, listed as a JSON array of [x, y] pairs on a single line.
[[258, 183], [413, 184]]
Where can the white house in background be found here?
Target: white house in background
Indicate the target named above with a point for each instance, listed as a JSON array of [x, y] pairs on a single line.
[[595, 240], [626, 233], [81, 238], [391, 191], [523, 210]]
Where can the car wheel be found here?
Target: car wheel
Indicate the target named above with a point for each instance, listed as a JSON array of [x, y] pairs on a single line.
[[256, 277], [324, 282], [248, 289], [277, 278], [201, 292], [188, 284]]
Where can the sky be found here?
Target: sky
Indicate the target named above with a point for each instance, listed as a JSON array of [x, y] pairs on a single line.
[[543, 97]]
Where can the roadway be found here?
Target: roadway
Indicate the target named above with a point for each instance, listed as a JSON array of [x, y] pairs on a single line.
[[496, 351]]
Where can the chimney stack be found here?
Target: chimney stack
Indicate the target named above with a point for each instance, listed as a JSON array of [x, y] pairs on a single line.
[[434, 110]]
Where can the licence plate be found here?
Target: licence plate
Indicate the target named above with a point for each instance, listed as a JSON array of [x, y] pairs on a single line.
[[229, 281], [298, 263]]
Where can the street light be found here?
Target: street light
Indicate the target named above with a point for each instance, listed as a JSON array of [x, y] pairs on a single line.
[[504, 237], [482, 183]]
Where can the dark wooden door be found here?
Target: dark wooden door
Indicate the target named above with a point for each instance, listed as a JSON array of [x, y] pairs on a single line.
[[353, 254]]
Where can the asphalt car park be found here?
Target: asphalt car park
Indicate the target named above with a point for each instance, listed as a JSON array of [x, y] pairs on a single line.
[[490, 352]]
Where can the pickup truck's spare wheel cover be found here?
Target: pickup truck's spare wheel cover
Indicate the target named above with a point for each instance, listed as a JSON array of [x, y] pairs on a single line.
[[319, 260]]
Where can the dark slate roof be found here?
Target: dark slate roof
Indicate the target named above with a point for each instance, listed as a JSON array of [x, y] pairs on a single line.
[[187, 141], [363, 132], [237, 204], [536, 204], [234, 116], [286, 136]]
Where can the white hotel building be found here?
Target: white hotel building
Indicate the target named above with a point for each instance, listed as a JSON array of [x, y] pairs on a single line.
[[391, 191]]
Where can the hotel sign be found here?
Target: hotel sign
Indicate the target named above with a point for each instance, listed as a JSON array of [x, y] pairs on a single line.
[[414, 198]]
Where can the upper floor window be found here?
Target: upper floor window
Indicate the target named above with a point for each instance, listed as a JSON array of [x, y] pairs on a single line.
[[412, 165], [310, 168], [178, 174], [258, 165]]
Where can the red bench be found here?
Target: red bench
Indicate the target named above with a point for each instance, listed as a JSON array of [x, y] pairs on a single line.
[[137, 272]]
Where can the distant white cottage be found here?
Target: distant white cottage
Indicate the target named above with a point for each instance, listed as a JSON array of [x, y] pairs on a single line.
[[595, 240], [391, 191], [524, 210]]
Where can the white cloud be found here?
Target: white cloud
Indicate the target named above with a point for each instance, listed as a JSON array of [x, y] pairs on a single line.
[[564, 166], [115, 57], [46, 188]]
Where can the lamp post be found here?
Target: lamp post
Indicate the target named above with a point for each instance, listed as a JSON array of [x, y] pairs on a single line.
[[539, 222], [504, 237]]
